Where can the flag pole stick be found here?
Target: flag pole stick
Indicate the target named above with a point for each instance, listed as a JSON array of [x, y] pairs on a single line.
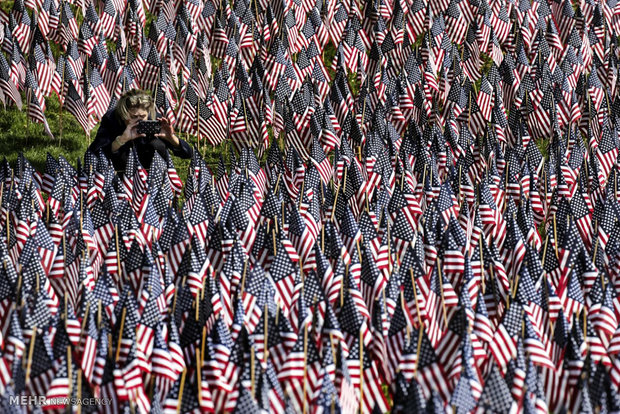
[[361, 372], [198, 375], [69, 369], [305, 368], [30, 351], [266, 328], [89, 116], [181, 391], [336, 200], [555, 236], [322, 237], [443, 302], [61, 101], [595, 243], [404, 309], [197, 302], [120, 334], [198, 123], [118, 256], [125, 65], [415, 297], [506, 183], [79, 389], [389, 246], [483, 276], [252, 374], [99, 314], [176, 291], [8, 219], [204, 341], [84, 322], [245, 269], [301, 193], [331, 346], [417, 353], [585, 324], [346, 272], [28, 92], [514, 285]]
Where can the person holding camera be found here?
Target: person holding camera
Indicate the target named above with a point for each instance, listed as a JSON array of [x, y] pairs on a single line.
[[123, 127]]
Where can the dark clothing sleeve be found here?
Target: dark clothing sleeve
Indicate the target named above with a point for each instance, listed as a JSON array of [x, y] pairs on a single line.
[[111, 127]]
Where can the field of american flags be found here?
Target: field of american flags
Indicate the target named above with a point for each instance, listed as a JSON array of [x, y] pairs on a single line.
[[394, 205]]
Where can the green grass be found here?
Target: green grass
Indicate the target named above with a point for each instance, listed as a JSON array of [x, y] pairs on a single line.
[[21, 135]]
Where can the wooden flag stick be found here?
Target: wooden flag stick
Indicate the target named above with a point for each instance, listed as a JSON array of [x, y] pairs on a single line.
[[62, 86], [118, 256], [361, 372], [245, 269], [545, 250], [594, 251], [2, 198], [174, 301], [20, 299], [84, 321], [181, 391], [69, 368], [197, 302], [346, 272], [301, 193], [483, 277], [513, 293], [404, 309], [331, 345], [8, 227], [30, 351], [443, 302], [252, 374], [266, 327], [66, 310], [305, 368], [125, 64], [585, 324], [275, 189], [198, 376], [335, 201], [120, 334], [415, 297], [202, 349], [417, 353], [28, 92], [79, 389], [555, 236]]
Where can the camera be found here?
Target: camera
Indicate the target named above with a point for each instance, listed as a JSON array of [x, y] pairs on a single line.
[[149, 128]]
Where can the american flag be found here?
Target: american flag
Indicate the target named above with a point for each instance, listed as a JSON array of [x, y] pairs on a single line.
[[488, 211]]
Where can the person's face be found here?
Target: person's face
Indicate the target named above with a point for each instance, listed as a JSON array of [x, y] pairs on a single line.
[[137, 114]]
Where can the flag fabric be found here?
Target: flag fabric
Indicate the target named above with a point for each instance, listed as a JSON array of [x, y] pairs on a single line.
[[434, 225]]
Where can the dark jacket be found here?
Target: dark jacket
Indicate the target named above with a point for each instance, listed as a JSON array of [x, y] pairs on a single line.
[[111, 127]]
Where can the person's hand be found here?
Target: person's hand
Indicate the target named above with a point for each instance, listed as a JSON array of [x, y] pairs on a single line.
[[167, 132], [130, 133]]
